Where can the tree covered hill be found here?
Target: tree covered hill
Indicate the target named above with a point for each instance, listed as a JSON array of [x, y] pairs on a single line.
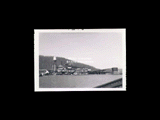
[[46, 62]]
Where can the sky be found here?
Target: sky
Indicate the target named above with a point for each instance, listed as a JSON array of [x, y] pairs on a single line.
[[101, 50]]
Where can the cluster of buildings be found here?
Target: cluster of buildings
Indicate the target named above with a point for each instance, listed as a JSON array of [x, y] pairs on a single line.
[[50, 65], [69, 70]]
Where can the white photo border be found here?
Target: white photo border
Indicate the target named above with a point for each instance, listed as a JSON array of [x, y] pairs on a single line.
[[36, 58]]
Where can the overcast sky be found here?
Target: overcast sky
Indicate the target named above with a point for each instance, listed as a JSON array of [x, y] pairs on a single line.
[[101, 50]]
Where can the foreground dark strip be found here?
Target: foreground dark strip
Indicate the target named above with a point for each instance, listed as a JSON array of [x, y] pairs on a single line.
[[113, 84]]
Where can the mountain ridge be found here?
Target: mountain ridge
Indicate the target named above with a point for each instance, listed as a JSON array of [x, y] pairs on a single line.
[[46, 62]]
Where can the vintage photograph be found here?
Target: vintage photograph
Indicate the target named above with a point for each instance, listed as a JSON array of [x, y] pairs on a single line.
[[80, 60]]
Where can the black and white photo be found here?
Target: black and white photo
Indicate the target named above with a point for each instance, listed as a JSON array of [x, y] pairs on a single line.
[[80, 60]]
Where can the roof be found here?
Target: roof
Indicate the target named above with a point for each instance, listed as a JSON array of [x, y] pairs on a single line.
[[60, 66], [42, 70]]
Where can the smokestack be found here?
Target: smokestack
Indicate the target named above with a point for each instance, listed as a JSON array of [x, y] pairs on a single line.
[[54, 63]]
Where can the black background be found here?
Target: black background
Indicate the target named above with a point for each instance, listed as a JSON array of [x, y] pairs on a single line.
[[84, 24], [73, 28]]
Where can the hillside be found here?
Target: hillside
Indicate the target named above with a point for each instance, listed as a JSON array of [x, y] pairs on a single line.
[[46, 62]]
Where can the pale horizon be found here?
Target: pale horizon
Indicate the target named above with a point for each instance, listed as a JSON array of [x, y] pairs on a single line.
[[100, 50]]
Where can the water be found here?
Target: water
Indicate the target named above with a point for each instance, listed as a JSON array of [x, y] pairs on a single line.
[[72, 81]]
